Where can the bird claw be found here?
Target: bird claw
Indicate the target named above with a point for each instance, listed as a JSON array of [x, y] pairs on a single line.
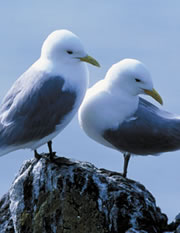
[[37, 155], [47, 156], [52, 156]]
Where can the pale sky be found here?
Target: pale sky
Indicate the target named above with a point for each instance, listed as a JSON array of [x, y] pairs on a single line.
[[110, 31]]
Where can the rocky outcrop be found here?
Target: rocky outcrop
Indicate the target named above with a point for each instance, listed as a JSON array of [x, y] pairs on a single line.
[[67, 196]]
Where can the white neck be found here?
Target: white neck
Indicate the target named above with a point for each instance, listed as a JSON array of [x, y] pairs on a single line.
[[122, 104]]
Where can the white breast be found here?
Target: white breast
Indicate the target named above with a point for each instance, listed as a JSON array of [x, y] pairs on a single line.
[[76, 79], [103, 109]]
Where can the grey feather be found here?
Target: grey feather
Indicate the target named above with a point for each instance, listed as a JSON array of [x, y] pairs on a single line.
[[151, 131], [35, 105]]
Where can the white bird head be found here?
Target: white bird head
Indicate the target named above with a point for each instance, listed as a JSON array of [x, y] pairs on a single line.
[[133, 77], [64, 46]]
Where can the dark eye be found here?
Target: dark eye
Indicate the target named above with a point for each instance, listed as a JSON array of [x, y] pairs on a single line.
[[69, 52], [138, 80]]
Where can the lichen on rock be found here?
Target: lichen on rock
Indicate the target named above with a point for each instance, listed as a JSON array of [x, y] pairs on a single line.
[[67, 196]]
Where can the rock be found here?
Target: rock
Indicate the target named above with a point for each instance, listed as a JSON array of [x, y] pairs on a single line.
[[67, 196], [175, 226]]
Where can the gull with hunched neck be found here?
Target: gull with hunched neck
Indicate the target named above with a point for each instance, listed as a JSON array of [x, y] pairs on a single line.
[[113, 114], [44, 99]]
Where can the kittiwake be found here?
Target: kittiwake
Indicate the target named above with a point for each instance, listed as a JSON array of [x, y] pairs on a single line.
[[113, 114], [44, 99]]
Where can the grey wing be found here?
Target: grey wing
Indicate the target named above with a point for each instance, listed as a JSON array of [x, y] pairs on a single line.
[[150, 131], [33, 108]]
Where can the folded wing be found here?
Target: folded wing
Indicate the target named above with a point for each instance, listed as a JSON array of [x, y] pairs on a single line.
[[34, 106], [149, 131]]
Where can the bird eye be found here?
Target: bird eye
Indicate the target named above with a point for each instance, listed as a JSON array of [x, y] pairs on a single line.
[[69, 52], [137, 80]]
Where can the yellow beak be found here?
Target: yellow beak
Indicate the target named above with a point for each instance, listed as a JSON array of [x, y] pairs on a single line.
[[90, 60], [155, 95]]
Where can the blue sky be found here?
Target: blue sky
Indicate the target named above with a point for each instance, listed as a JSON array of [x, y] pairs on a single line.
[[110, 31]]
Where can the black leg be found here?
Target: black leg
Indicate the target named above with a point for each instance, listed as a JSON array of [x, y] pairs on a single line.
[[36, 155], [50, 147], [51, 153], [126, 161]]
